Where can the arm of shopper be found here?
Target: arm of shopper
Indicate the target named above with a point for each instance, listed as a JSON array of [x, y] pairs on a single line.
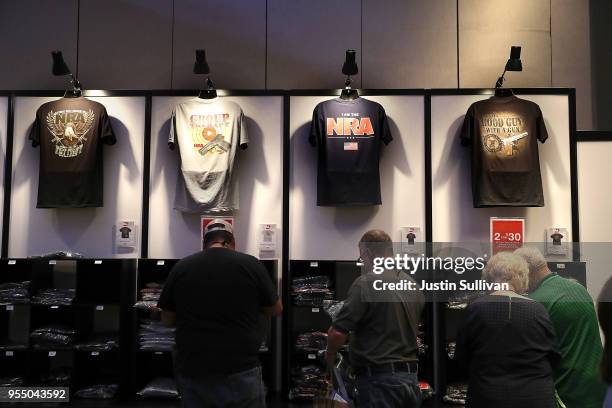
[[335, 340], [168, 318], [167, 301], [346, 321], [275, 310]]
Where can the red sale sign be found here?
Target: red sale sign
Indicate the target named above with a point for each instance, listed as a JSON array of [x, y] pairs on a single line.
[[507, 234]]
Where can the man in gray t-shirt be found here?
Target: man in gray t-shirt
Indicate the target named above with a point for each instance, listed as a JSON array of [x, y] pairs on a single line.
[[382, 327], [208, 133]]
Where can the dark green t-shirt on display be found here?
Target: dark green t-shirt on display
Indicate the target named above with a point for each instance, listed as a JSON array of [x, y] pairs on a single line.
[[572, 313]]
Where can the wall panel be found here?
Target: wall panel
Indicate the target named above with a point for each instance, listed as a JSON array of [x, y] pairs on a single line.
[[127, 45], [487, 29], [233, 32], [307, 40], [571, 54], [30, 30], [417, 47], [595, 201]]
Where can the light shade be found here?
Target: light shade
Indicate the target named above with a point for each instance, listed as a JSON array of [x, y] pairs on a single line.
[[201, 66], [59, 65], [350, 66], [514, 63]]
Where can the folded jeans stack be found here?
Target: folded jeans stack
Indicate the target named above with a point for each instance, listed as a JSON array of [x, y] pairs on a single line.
[[54, 297], [154, 336], [307, 382], [52, 336], [15, 292], [311, 290], [332, 307]]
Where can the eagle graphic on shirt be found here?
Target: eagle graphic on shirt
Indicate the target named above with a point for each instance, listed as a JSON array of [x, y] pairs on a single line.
[[69, 129]]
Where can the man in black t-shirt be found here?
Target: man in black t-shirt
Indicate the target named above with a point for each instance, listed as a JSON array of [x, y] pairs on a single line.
[[216, 299]]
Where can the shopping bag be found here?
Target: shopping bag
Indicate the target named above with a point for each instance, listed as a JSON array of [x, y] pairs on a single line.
[[334, 395]]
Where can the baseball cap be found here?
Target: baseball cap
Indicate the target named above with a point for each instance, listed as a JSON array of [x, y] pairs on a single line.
[[218, 224]]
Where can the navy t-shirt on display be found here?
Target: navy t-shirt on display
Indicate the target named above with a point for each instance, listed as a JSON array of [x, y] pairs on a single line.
[[348, 135]]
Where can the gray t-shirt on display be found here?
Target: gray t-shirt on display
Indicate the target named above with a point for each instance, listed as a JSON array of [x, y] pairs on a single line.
[[208, 133]]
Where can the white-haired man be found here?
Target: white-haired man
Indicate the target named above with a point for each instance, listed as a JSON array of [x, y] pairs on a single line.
[[572, 313]]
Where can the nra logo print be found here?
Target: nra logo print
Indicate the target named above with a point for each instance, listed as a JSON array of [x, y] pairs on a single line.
[[349, 127]]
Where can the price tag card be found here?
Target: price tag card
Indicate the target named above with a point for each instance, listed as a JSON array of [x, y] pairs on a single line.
[[507, 234], [315, 310], [10, 308], [95, 353], [97, 262], [314, 264], [12, 262], [53, 262], [312, 356], [9, 353], [161, 263], [54, 307], [100, 308], [52, 353]]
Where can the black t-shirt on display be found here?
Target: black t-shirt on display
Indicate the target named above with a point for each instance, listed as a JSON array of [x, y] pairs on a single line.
[[217, 295], [347, 134], [504, 134], [125, 232], [70, 133]]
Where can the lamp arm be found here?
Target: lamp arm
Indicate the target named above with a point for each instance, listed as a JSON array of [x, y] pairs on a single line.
[[500, 80]]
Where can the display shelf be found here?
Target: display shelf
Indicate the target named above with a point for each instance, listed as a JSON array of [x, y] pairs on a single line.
[[302, 319], [15, 325], [98, 307]]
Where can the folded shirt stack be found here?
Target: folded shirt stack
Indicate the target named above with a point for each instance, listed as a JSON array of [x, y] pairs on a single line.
[[101, 342], [456, 394], [160, 387], [54, 297], [149, 296], [98, 391], [311, 290], [15, 292], [52, 336], [311, 342], [154, 336], [307, 382]]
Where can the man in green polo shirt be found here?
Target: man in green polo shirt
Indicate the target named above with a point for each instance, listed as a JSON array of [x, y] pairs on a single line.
[[572, 313]]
